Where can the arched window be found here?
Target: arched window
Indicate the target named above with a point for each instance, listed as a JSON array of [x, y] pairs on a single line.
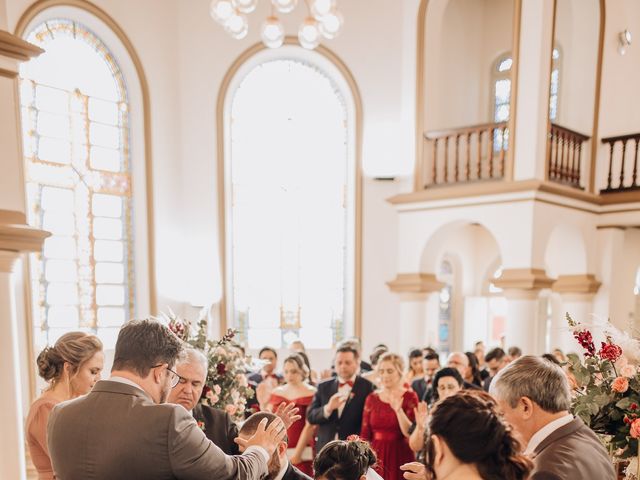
[[75, 121], [290, 201], [445, 313]]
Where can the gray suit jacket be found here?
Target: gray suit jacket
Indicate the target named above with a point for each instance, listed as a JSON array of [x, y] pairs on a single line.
[[118, 432], [572, 452]]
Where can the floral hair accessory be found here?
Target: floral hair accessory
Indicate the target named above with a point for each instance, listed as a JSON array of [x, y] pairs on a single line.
[[353, 438]]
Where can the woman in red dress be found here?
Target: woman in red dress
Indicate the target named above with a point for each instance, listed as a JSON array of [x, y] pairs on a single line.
[[297, 390], [388, 414]]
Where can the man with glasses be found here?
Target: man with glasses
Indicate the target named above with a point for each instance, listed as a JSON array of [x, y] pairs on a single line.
[[123, 428]]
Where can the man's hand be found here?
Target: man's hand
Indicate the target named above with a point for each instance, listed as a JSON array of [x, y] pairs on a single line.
[[422, 414], [414, 471], [335, 401], [265, 437], [288, 413]]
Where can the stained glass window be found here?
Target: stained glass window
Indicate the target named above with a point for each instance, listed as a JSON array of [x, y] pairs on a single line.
[[445, 311], [292, 201], [76, 150]]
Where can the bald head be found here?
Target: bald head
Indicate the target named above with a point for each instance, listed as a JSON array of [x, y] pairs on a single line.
[[459, 361]]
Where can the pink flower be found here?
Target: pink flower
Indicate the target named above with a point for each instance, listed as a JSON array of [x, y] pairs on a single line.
[[620, 384], [231, 409], [634, 430], [628, 371], [610, 351], [212, 397], [217, 389]]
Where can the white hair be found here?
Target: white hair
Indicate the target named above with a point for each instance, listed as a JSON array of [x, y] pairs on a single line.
[[191, 355]]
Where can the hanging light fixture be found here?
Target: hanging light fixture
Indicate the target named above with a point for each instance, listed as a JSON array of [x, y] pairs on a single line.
[[323, 20]]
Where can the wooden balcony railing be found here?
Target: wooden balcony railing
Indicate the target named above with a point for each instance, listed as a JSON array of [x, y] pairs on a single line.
[[627, 178], [465, 154], [564, 155]]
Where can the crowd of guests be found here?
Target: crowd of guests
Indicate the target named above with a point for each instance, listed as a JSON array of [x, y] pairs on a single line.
[[477, 415]]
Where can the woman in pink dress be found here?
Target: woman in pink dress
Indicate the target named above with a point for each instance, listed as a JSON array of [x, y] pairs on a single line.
[[71, 367], [387, 417], [297, 390]]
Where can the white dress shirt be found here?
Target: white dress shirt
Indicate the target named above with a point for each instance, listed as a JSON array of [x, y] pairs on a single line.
[[545, 431], [344, 390]]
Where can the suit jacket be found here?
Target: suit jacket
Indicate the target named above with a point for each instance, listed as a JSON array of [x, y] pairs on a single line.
[[117, 431], [218, 427], [350, 422], [292, 473], [424, 391], [572, 452]]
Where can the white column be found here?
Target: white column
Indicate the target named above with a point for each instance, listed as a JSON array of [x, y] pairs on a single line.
[[523, 327], [12, 454], [412, 325]]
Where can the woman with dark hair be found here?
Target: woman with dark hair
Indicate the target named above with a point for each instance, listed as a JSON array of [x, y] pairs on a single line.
[[446, 382], [415, 369], [469, 440], [344, 460], [473, 375]]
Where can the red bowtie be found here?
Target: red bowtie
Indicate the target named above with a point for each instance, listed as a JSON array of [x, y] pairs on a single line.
[[348, 382]]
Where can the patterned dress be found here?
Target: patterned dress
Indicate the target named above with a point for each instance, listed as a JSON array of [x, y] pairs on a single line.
[[381, 428]]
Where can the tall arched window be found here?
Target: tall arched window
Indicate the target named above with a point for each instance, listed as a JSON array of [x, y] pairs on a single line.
[[445, 311], [75, 119], [290, 209]]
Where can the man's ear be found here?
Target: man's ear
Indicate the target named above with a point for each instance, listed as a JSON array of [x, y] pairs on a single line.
[[157, 373], [526, 407], [282, 448]]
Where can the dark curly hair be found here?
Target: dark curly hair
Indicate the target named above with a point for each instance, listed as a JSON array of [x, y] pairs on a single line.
[[476, 434], [344, 460]]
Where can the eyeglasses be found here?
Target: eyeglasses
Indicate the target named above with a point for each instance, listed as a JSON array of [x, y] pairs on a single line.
[[175, 378]]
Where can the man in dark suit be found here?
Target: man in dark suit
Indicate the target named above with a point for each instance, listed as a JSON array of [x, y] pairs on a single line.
[[424, 386], [123, 428], [280, 467], [495, 361], [535, 397], [338, 404]]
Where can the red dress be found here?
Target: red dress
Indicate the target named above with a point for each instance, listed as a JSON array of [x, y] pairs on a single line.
[[381, 428], [294, 431]]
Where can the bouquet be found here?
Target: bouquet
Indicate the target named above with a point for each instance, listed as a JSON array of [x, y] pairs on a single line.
[[226, 385], [607, 390]]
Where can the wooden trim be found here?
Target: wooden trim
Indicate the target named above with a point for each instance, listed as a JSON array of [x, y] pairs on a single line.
[[596, 108], [621, 138], [8, 73], [578, 135], [548, 146], [523, 279], [12, 217], [509, 170], [431, 135], [415, 283], [585, 283], [622, 196], [418, 169], [41, 5], [220, 130], [15, 47], [17, 236]]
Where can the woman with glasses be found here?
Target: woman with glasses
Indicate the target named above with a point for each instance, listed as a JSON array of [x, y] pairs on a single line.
[[71, 367]]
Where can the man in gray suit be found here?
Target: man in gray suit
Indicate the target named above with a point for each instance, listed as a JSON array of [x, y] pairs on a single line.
[[123, 429], [534, 395]]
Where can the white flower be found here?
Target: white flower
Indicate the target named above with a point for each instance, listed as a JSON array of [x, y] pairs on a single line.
[[632, 469], [217, 389], [235, 395]]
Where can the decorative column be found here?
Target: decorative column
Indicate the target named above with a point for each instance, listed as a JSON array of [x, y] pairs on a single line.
[[15, 237], [418, 309], [525, 328], [576, 293]]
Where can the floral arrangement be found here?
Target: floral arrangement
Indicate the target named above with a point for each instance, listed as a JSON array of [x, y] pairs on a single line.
[[607, 391], [226, 386]]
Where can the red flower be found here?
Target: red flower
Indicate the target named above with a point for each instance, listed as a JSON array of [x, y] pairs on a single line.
[[610, 351], [221, 368], [633, 406], [201, 424], [586, 341]]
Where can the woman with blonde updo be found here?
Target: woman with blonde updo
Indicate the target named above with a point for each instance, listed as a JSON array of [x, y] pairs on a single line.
[[71, 367], [387, 417], [297, 390]]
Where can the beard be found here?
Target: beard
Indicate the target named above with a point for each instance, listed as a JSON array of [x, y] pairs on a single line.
[[164, 393], [274, 466]]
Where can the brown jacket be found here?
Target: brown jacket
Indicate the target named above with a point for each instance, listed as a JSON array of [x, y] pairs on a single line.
[[118, 432], [572, 452]]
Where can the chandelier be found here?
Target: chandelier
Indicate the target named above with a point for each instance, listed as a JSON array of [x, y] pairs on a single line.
[[323, 20]]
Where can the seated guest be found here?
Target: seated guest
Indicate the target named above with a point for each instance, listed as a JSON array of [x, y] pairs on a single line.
[[340, 460], [338, 404], [472, 374], [460, 362], [424, 386], [388, 416], [71, 368], [415, 369], [123, 428], [264, 381], [279, 467], [469, 440], [296, 390], [216, 424], [446, 383], [495, 360], [533, 394]]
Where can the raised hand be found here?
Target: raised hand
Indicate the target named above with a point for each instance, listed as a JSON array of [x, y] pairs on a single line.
[[414, 471], [288, 413], [422, 414], [267, 437]]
